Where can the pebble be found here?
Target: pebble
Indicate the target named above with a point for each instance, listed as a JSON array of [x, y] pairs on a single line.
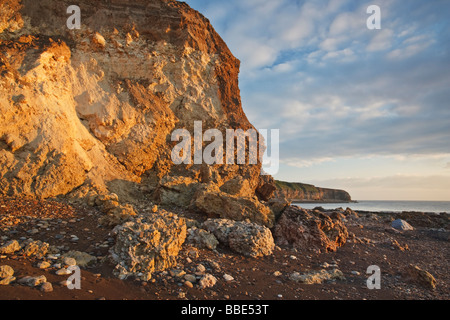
[[63, 271], [356, 273], [201, 268], [43, 265], [277, 273], [46, 287], [70, 261], [227, 277], [188, 284], [191, 278]]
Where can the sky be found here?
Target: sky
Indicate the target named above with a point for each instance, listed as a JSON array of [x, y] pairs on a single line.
[[367, 111]]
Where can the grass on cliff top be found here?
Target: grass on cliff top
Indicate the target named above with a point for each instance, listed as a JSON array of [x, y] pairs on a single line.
[[296, 186]]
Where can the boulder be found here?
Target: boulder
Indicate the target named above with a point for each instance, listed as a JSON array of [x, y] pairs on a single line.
[[210, 200], [10, 247], [246, 238], [421, 277], [402, 225], [147, 243], [201, 238], [309, 229], [36, 248], [82, 259], [6, 271]]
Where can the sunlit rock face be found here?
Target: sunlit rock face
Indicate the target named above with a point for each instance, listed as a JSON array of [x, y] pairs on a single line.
[[93, 109]]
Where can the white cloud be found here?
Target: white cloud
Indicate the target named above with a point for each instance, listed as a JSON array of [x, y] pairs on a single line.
[[301, 163], [381, 41]]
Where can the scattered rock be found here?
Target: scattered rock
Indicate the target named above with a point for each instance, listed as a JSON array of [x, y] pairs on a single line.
[[190, 277], [98, 40], [68, 261], [228, 277], [396, 245], [421, 277], [247, 238], [147, 243], [10, 247], [188, 284], [6, 271], [201, 268], [46, 287], [295, 276], [177, 273], [43, 264], [6, 281], [36, 248], [317, 277], [310, 229], [402, 225], [207, 281], [214, 202], [202, 238], [62, 272], [82, 259], [32, 281]]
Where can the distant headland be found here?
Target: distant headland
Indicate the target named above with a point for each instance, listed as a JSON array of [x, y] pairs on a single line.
[[301, 192]]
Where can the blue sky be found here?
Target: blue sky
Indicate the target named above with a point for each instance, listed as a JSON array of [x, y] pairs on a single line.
[[363, 110]]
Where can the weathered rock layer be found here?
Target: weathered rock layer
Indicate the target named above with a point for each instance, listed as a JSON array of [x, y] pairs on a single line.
[[94, 108]]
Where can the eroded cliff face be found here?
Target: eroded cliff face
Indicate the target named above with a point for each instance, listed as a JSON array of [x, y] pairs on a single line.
[[92, 109]]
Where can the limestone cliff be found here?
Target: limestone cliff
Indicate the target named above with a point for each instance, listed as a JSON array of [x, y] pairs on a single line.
[[92, 109], [308, 192]]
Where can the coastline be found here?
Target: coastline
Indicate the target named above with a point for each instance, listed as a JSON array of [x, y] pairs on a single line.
[[321, 201]]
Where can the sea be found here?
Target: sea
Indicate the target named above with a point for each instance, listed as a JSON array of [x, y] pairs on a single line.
[[384, 206]]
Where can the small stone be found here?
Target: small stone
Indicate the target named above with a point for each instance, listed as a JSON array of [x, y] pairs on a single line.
[[280, 296], [201, 268], [70, 261], [177, 273], [43, 265], [356, 273], [295, 276], [6, 281], [154, 208], [227, 277], [207, 281], [190, 277], [32, 281], [277, 273], [62, 272], [46, 287], [188, 284]]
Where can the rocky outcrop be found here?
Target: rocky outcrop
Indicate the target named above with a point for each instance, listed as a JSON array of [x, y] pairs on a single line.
[[310, 229], [93, 109], [307, 192]]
